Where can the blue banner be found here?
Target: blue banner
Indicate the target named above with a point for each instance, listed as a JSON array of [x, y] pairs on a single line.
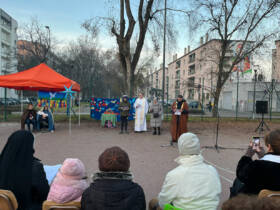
[[51, 95], [100, 105]]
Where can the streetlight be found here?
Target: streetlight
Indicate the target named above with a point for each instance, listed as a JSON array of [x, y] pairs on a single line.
[[163, 63], [49, 44], [254, 96]]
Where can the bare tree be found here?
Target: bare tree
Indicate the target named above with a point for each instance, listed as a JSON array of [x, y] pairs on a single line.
[[235, 22], [35, 41], [147, 14]]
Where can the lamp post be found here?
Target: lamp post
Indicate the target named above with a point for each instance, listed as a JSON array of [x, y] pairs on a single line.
[[254, 95], [49, 33], [163, 56], [237, 91]]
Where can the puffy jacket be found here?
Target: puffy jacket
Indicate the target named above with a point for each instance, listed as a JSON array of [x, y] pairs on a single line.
[[113, 191], [259, 174], [192, 185]]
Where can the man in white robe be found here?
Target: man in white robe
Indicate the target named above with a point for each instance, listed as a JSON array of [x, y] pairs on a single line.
[[141, 107]]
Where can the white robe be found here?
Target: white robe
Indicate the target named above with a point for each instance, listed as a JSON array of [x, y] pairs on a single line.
[[140, 114]]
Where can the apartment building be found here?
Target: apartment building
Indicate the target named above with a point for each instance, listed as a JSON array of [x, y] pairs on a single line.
[[194, 74], [8, 55]]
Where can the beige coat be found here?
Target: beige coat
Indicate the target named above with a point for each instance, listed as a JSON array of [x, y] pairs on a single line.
[[155, 108]]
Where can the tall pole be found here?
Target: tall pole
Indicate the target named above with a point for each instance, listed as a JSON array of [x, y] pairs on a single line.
[[5, 109], [254, 96], [49, 47], [163, 56], [271, 97], [237, 91], [202, 97]]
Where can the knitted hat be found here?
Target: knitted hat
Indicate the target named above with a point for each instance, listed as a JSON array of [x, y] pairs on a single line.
[[114, 159], [188, 144], [73, 168]]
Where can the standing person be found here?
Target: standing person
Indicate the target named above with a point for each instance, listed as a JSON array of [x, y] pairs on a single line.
[[156, 112], [112, 187], [179, 118], [124, 108], [141, 107], [210, 106], [22, 173], [29, 117], [193, 184]]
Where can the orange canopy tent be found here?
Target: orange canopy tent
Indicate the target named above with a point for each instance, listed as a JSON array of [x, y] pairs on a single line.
[[40, 77]]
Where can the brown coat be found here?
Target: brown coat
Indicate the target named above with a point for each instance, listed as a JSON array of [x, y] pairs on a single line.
[[179, 122], [25, 115]]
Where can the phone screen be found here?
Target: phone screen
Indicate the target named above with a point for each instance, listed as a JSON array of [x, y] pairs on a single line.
[[256, 140]]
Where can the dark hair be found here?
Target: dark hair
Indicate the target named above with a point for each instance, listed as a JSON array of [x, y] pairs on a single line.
[[273, 138], [114, 159], [246, 202], [180, 96]]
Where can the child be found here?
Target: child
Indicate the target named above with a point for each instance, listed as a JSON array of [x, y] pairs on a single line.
[[124, 108], [69, 183]]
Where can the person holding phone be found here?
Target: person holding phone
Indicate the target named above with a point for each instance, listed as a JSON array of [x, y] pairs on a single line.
[[263, 173]]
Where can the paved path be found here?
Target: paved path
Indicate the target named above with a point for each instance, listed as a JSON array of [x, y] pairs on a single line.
[[149, 161]]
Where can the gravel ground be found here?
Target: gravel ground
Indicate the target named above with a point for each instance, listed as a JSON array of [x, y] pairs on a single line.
[[149, 161]]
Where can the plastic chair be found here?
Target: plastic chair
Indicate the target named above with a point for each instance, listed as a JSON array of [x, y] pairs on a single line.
[[8, 200], [49, 205], [170, 207], [269, 194]]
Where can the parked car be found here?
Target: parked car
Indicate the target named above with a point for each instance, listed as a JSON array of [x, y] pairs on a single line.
[[16, 101], [25, 101], [9, 101], [195, 107]]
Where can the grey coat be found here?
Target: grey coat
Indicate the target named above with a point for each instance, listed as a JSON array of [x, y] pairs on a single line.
[[155, 108]]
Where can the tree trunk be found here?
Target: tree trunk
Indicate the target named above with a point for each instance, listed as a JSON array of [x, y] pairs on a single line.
[[216, 102]]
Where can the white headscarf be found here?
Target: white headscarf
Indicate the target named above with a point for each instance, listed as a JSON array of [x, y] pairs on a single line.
[[188, 144]]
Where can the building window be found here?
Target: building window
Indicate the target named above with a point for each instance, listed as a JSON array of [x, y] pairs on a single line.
[[192, 58], [191, 94], [191, 81], [177, 84], [192, 69], [178, 64], [178, 74]]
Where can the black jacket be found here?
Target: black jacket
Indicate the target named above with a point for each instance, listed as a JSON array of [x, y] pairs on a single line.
[[39, 185], [113, 194], [258, 175]]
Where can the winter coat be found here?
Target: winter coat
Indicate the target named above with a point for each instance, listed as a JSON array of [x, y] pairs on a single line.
[[192, 185], [69, 183], [124, 108], [259, 174], [113, 191], [155, 109], [25, 116], [39, 187]]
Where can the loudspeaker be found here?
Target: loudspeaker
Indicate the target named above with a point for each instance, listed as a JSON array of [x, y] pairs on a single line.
[[261, 107]]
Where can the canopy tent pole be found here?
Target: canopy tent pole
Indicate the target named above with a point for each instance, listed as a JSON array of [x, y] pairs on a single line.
[[79, 110], [70, 132], [21, 103]]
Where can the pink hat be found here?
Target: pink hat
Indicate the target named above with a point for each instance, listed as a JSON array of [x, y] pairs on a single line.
[[73, 168]]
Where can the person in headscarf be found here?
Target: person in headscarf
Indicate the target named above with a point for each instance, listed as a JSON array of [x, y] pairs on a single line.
[[156, 114], [22, 173], [112, 187], [141, 107], [124, 108], [179, 118], [193, 184]]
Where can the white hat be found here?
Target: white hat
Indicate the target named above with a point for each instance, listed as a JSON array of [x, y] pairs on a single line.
[[188, 144]]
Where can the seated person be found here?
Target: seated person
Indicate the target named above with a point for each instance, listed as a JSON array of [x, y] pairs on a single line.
[[256, 175], [29, 117], [69, 183], [193, 184], [112, 187], [45, 115], [246, 202], [22, 173]]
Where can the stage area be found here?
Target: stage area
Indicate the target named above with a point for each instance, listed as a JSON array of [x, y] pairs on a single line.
[[149, 161]]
